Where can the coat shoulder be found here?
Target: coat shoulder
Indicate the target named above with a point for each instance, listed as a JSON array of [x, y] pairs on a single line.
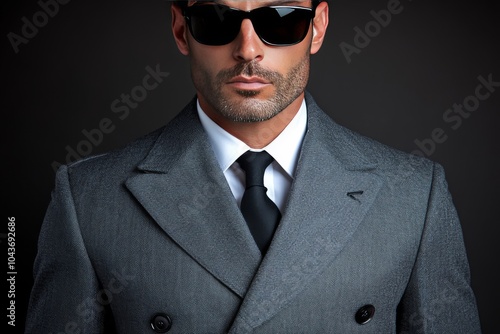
[[116, 162]]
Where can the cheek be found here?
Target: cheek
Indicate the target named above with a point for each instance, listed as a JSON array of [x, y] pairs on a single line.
[[282, 60], [207, 62]]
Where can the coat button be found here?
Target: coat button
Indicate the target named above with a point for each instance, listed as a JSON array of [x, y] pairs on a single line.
[[161, 323], [365, 314]]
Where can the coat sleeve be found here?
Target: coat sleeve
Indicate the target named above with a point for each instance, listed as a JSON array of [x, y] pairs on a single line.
[[65, 295], [439, 298]]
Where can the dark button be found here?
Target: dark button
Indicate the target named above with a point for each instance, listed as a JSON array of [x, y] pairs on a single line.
[[161, 323], [365, 314]]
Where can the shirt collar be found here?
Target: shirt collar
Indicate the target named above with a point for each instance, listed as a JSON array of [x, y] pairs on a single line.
[[284, 149]]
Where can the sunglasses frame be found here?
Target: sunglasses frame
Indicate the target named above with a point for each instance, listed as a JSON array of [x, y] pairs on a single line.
[[246, 14]]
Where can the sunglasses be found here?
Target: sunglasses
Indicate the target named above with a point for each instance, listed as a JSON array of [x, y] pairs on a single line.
[[216, 24]]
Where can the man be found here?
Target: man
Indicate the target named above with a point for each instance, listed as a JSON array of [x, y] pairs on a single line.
[[251, 211]]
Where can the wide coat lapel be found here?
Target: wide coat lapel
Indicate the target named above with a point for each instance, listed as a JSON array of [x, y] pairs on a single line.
[[183, 189], [334, 187]]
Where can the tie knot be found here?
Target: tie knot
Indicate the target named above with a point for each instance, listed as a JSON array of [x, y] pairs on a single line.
[[254, 164]]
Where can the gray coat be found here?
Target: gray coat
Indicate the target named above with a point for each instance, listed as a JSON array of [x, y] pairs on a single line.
[[150, 237]]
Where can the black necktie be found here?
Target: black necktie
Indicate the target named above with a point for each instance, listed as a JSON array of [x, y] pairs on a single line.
[[261, 214]]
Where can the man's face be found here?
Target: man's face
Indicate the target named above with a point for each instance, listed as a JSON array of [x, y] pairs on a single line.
[[247, 80]]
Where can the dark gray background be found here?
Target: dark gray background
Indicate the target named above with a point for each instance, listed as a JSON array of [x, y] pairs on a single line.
[[395, 91]]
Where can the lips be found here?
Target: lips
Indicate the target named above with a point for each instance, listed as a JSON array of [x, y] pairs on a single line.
[[241, 82]]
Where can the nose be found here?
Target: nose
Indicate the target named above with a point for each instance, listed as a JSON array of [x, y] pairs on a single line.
[[248, 46]]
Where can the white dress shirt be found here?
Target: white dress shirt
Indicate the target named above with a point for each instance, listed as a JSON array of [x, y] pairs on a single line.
[[284, 149]]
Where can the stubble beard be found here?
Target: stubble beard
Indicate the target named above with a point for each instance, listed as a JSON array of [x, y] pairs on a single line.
[[247, 107]]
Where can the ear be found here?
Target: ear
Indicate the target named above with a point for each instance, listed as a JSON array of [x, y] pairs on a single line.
[[179, 29], [320, 23]]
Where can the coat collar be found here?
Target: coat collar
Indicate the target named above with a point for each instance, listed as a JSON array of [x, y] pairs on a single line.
[[202, 217], [181, 186]]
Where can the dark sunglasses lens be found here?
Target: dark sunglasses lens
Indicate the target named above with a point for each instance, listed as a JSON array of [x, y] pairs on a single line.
[[282, 25], [213, 24], [219, 25]]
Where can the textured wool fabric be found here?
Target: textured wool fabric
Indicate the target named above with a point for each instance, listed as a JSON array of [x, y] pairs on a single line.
[[153, 228]]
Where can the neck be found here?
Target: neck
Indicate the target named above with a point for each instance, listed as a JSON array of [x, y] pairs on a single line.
[[257, 135]]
